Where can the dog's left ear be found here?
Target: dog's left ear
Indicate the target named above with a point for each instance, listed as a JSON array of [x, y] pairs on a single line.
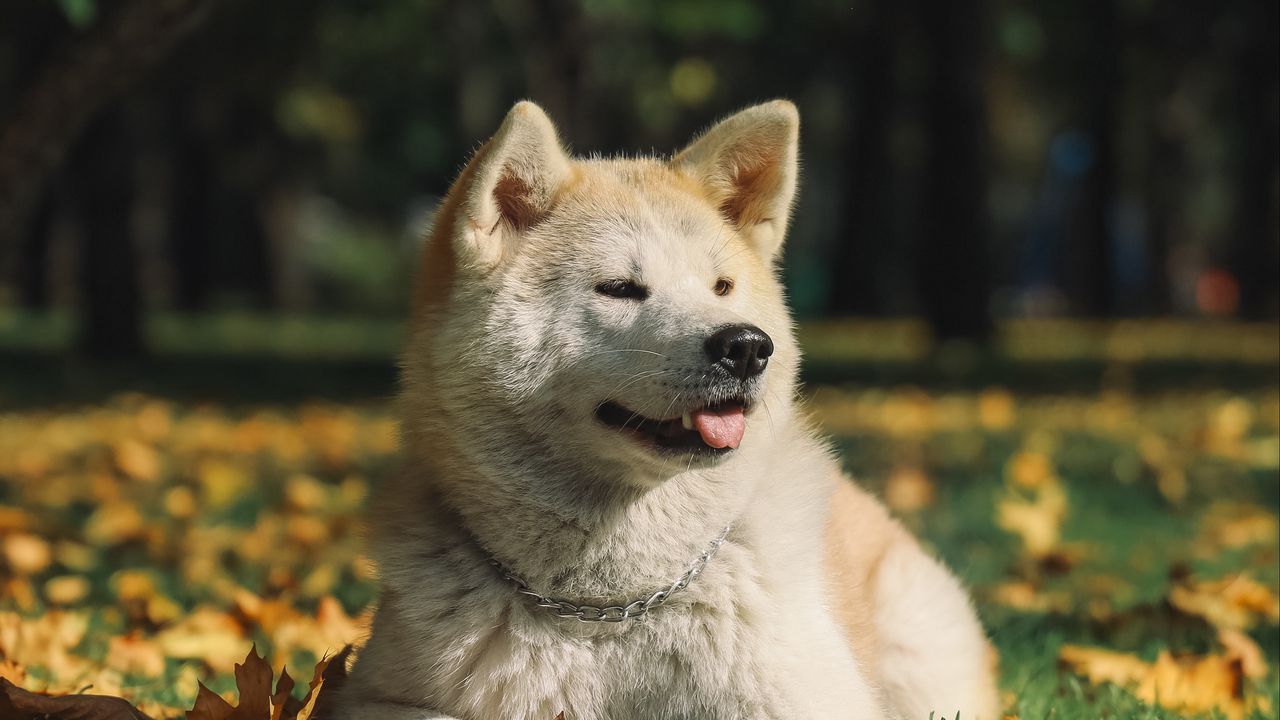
[[510, 184], [747, 163]]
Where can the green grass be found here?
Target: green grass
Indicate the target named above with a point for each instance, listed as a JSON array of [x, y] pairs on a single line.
[[1124, 536], [1131, 538]]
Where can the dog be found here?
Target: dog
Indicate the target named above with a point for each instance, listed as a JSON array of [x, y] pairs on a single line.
[[611, 505]]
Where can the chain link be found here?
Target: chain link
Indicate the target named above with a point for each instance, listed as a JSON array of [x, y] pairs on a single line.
[[613, 613]]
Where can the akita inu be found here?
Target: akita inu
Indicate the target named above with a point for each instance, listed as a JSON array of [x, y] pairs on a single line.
[[610, 505]]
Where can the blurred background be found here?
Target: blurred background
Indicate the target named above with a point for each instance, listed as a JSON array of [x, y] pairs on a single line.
[[1034, 261], [179, 171]]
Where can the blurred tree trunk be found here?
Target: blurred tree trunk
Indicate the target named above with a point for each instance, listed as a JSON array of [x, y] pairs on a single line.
[[102, 175], [103, 63], [867, 221], [1092, 272], [1164, 164], [1254, 253], [1164, 167], [555, 48], [190, 218], [952, 257], [33, 255]]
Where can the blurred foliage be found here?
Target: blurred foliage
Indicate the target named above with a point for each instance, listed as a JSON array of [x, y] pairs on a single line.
[[368, 109], [145, 544]]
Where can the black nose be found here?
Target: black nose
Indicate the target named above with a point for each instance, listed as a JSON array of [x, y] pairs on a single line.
[[743, 350]]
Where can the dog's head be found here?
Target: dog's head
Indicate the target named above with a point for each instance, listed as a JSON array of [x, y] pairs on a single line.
[[611, 314]]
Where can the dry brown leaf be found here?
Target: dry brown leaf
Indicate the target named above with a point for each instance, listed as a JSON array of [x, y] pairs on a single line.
[[253, 680], [209, 706], [19, 704], [330, 675], [258, 702]]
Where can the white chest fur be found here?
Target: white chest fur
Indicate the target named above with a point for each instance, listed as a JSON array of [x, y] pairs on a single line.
[[750, 638]]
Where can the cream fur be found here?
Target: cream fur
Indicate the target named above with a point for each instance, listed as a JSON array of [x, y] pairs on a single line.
[[817, 606]]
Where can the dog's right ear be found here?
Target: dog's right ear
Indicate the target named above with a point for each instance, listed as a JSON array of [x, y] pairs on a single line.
[[510, 185]]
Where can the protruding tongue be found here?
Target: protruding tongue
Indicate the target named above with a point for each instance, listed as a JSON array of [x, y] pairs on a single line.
[[721, 428]]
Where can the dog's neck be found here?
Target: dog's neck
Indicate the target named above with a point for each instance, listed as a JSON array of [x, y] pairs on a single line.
[[582, 537]]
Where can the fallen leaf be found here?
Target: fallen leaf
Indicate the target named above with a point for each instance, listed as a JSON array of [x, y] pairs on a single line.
[[1037, 521], [66, 589], [253, 680], [1227, 526], [1237, 602], [1182, 683], [134, 654], [26, 554], [13, 672], [19, 704], [1237, 645], [137, 460], [206, 634], [1027, 597], [1029, 469], [330, 676], [209, 706], [908, 490], [257, 702], [46, 642]]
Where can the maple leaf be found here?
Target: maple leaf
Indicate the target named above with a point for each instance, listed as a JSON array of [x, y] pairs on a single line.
[[258, 702]]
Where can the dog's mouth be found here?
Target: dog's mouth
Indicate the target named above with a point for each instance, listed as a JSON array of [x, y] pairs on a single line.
[[716, 428]]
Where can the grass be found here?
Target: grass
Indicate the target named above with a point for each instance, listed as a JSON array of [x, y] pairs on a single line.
[[1128, 536]]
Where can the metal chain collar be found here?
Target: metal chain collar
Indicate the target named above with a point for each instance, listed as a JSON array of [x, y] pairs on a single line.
[[614, 613]]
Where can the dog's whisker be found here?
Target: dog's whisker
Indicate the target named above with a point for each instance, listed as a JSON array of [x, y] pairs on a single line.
[[624, 350]]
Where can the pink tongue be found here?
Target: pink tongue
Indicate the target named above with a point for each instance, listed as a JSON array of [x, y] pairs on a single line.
[[721, 428]]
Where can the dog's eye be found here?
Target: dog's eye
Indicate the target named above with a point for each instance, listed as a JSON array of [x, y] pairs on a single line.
[[625, 289], [723, 287]]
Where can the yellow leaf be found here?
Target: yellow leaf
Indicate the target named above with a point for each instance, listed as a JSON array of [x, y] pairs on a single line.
[[27, 554], [996, 409], [135, 655], [1237, 602], [221, 482], [1029, 469], [66, 589], [206, 634], [908, 490], [1242, 647], [1188, 684], [1037, 522], [137, 460]]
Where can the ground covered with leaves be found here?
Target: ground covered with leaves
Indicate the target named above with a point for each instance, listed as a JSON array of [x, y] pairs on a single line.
[[1122, 547]]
